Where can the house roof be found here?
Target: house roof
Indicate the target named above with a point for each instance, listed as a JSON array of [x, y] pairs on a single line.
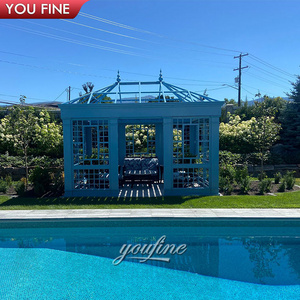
[[140, 92]]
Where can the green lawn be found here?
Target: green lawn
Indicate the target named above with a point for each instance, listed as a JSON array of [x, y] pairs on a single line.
[[282, 200]]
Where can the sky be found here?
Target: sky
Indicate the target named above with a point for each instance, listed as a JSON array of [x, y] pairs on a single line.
[[193, 42]]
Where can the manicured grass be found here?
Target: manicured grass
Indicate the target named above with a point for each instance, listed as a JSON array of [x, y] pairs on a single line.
[[282, 200]]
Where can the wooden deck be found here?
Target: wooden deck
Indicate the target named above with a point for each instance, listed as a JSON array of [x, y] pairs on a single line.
[[142, 190]]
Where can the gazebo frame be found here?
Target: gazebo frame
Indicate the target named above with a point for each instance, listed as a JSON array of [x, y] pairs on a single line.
[[186, 137]]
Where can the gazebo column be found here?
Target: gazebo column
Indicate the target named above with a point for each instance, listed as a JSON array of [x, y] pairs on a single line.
[[68, 156], [168, 153], [214, 155], [113, 157]]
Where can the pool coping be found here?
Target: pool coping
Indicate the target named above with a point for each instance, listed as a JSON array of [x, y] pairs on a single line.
[[149, 213]]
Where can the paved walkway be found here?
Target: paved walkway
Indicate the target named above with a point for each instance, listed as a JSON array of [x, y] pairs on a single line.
[[148, 213]]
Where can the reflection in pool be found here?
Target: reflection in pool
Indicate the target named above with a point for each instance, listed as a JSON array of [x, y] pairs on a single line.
[[247, 257]]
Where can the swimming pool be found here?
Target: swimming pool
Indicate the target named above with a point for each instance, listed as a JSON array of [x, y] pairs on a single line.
[[224, 259]]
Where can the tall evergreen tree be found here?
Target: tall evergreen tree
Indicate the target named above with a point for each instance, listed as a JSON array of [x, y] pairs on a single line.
[[290, 120]]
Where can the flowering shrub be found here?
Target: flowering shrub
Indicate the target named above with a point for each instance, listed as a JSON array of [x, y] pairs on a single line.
[[26, 130], [235, 136]]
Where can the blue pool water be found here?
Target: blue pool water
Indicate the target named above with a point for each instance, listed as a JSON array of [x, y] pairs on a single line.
[[225, 259]]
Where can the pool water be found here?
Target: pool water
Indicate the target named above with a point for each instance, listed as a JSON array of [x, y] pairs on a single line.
[[225, 259]]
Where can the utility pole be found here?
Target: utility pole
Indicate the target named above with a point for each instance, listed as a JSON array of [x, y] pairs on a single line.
[[240, 75]]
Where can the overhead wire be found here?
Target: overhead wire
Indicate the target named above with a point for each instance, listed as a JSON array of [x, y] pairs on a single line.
[[82, 35], [30, 98], [99, 29], [257, 89], [19, 104], [153, 42], [52, 36], [135, 54], [266, 80], [266, 72], [152, 33], [64, 91], [82, 14], [55, 70], [271, 66]]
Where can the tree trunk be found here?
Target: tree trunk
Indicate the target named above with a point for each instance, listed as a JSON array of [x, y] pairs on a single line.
[[26, 168], [261, 163]]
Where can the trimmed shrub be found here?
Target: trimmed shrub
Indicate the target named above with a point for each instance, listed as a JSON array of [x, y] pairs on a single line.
[[262, 176], [58, 183], [20, 187], [227, 171], [3, 186], [225, 185], [8, 180], [41, 180], [240, 174], [277, 177], [282, 187], [265, 186], [245, 185], [289, 180]]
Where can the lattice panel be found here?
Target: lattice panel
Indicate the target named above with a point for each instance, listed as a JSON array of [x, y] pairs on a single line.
[[97, 179], [90, 142], [190, 141], [190, 178]]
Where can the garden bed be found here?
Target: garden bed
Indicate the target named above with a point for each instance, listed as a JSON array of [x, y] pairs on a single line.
[[254, 188]]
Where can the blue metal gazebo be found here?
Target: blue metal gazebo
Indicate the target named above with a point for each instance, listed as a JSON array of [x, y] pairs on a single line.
[[180, 130]]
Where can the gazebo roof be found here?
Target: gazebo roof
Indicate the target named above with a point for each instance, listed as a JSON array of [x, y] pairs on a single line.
[[140, 92]]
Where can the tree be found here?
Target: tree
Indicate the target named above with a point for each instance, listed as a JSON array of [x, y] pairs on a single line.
[[264, 133], [245, 137], [295, 92], [27, 131], [267, 107], [290, 120]]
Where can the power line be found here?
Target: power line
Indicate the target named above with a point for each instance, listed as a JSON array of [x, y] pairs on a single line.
[[60, 94], [85, 15], [52, 36], [106, 31], [56, 37], [257, 89], [108, 77], [271, 66], [152, 42], [83, 35], [55, 70], [26, 97], [18, 103], [248, 91], [152, 33], [266, 80], [267, 72]]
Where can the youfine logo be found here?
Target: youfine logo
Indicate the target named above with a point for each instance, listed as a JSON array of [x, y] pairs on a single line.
[[145, 252], [40, 9]]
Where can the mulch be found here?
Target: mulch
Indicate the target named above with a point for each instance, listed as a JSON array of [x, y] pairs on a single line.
[[254, 188]]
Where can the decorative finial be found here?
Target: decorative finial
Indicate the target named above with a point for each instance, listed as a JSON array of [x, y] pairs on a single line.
[[118, 77], [160, 76]]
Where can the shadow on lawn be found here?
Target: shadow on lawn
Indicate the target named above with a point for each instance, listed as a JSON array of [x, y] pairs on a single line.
[[30, 201]]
